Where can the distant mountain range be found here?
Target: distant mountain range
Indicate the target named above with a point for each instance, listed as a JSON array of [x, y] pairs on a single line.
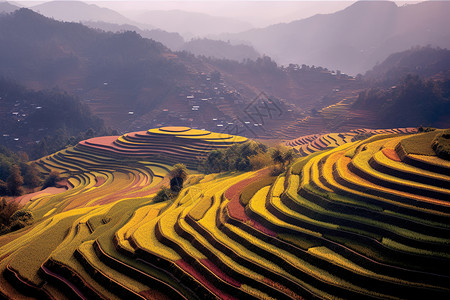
[[355, 39], [188, 24], [78, 11], [220, 49], [134, 83], [173, 40], [352, 40], [192, 24], [162, 26], [128, 80], [6, 7]]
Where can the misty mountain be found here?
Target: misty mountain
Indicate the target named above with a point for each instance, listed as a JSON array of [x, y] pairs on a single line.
[[191, 24], [220, 49], [6, 7], [109, 20], [172, 40], [355, 39], [425, 62], [76, 11], [35, 46]]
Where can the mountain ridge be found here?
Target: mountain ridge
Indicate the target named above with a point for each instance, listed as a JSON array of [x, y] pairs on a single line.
[[354, 39], [78, 11], [191, 24]]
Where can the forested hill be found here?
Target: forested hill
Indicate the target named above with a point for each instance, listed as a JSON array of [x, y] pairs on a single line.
[[113, 72], [422, 61], [421, 102], [410, 88], [45, 121], [34, 46]]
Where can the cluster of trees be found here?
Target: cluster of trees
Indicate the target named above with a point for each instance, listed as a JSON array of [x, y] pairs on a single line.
[[177, 177], [13, 218], [16, 172], [239, 157], [236, 157], [246, 157], [265, 65], [441, 145], [282, 158]]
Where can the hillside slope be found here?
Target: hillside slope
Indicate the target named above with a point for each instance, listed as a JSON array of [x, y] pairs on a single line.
[[425, 62], [128, 80], [368, 219], [42, 121]]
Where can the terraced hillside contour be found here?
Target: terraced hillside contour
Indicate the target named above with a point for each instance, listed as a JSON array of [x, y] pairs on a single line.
[[309, 144], [165, 145], [367, 219]]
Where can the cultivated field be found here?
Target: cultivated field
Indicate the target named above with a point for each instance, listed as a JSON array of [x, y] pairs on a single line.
[[355, 219]]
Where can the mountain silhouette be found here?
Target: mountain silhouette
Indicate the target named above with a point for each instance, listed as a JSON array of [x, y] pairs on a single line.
[[353, 40]]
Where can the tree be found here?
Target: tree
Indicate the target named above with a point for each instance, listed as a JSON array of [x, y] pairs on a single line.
[[21, 219], [31, 175], [215, 161], [277, 156], [14, 181], [288, 156], [51, 180], [7, 210], [40, 149], [177, 176], [242, 164], [282, 157], [163, 194], [3, 188], [260, 161]]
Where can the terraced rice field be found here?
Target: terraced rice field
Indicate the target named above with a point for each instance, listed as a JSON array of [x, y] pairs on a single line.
[[365, 219], [309, 144], [338, 117]]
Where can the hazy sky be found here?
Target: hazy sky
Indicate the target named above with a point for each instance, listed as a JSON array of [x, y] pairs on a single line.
[[259, 13]]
